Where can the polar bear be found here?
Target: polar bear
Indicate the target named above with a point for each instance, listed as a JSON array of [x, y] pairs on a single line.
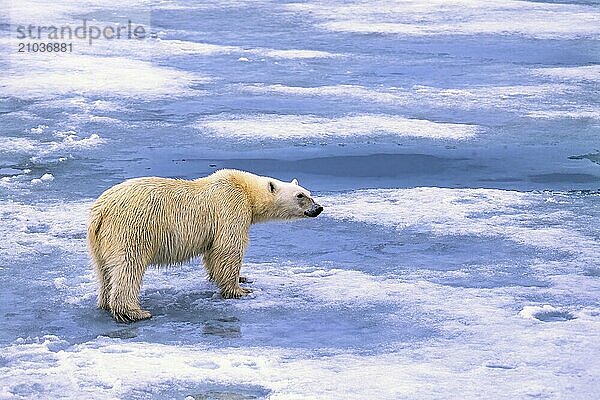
[[160, 221]]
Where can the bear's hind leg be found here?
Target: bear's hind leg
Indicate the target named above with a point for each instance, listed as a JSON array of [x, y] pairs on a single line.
[[104, 288], [103, 277], [126, 282]]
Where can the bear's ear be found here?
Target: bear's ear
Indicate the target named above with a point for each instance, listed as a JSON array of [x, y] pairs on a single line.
[[295, 182], [271, 187]]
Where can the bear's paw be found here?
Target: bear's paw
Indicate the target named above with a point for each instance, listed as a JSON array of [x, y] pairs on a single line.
[[127, 316], [235, 292]]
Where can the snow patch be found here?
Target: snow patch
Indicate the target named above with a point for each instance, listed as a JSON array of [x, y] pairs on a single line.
[[479, 212], [10, 144], [546, 313], [159, 48], [298, 126], [578, 113], [31, 229], [291, 53], [49, 76], [44, 178], [350, 91], [515, 98], [461, 17], [81, 103], [581, 73], [488, 343], [38, 129], [68, 141]]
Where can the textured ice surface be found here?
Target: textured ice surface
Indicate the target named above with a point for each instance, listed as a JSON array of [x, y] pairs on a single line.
[[293, 126], [454, 147], [513, 98], [588, 72], [468, 17], [89, 76], [518, 216]]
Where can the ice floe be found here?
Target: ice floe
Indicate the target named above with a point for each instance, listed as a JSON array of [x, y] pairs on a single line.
[[515, 98], [579, 73], [489, 350], [50, 75], [27, 228], [464, 17], [307, 126], [481, 212]]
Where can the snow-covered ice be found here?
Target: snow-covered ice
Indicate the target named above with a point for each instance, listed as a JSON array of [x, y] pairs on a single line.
[[454, 146]]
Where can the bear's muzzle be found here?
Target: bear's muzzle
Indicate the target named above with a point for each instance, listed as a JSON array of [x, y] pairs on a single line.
[[314, 210]]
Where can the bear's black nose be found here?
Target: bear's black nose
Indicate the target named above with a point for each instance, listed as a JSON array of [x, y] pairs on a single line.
[[314, 210]]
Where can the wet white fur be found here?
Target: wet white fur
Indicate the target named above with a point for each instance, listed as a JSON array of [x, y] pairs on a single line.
[[160, 221]]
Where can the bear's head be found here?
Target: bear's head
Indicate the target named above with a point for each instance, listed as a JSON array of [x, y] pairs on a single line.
[[286, 201]]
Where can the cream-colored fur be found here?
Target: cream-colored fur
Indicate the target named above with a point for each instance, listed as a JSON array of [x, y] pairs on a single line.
[[160, 221]]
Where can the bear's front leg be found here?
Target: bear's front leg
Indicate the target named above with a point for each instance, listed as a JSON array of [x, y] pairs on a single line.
[[223, 268]]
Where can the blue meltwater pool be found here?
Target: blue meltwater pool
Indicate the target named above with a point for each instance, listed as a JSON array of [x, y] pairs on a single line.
[[454, 146]]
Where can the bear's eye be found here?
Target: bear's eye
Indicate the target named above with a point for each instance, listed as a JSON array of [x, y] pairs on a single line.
[[300, 195]]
